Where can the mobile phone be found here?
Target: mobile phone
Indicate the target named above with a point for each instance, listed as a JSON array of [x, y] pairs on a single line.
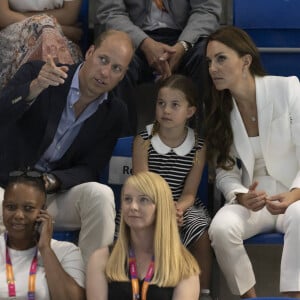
[[37, 230], [38, 226]]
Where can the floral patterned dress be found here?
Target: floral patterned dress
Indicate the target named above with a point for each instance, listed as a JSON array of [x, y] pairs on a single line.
[[34, 39]]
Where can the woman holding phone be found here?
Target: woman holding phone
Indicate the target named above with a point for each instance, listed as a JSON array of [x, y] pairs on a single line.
[[32, 265]]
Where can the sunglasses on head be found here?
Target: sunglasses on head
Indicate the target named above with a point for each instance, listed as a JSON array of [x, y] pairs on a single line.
[[27, 173]]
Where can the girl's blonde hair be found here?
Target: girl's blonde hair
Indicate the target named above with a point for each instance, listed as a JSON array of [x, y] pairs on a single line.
[[173, 262]]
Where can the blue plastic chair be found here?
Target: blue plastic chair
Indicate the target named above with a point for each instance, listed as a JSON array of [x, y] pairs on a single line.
[[83, 18], [273, 238], [270, 298], [69, 236], [119, 167], [274, 25]]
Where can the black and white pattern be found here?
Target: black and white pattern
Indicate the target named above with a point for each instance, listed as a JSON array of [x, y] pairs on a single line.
[[174, 164]]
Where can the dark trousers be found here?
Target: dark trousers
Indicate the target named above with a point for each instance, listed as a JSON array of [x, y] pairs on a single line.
[[193, 64]]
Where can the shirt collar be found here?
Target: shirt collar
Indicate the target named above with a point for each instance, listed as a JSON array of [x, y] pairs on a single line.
[[181, 150], [75, 89]]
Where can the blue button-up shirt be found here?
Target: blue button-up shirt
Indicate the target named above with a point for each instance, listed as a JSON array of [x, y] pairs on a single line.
[[68, 127]]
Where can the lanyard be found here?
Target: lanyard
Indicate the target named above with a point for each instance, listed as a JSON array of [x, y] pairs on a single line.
[[10, 276], [134, 278]]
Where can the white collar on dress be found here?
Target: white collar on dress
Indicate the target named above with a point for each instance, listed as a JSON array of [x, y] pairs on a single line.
[[181, 150]]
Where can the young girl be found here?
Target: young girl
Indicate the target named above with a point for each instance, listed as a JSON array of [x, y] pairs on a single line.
[[172, 149]]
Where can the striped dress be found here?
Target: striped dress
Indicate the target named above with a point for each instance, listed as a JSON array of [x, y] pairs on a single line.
[[174, 164]]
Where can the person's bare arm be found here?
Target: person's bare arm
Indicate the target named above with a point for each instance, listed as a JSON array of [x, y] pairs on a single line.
[[61, 285], [187, 289], [139, 155], [8, 16], [66, 15], [193, 179], [96, 283]]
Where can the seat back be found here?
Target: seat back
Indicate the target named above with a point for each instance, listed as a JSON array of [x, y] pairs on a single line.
[[273, 238], [66, 235], [119, 167], [83, 19], [274, 25]]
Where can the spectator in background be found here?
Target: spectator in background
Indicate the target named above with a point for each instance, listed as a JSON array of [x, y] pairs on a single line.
[[169, 37], [31, 30], [32, 265], [63, 121], [253, 129], [148, 260]]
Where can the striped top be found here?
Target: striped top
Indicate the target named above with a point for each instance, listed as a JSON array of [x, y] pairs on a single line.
[[173, 164]]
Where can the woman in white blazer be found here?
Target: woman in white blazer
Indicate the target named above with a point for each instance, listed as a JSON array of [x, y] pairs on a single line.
[[253, 137]]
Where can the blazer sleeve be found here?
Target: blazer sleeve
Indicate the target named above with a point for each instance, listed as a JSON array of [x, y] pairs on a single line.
[[294, 110], [12, 97], [229, 182], [114, 14], [203, 19]]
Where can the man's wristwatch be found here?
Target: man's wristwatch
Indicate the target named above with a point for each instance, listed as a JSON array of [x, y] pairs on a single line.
[[53, 182], [186, 46]]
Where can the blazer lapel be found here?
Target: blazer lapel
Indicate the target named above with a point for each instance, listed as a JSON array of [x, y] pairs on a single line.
[[58, 98], [264, 112], [241, 141]]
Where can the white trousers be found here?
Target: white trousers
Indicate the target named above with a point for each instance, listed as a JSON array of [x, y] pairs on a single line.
[[89, 207], [234, 223]]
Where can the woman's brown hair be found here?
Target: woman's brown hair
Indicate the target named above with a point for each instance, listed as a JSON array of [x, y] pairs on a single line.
[[218, 106]]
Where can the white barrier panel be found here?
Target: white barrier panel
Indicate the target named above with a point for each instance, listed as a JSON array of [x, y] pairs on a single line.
[[120, 168]]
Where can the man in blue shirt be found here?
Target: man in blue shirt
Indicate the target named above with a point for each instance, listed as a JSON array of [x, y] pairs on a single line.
[[64, 122]]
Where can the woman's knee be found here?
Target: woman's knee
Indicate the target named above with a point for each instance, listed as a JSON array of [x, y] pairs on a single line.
[[226, 225], [292, 214]]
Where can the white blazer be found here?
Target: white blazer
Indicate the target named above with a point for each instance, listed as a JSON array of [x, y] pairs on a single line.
[[278, 109]]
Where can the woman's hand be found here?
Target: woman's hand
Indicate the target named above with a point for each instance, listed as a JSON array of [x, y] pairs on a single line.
[[253, 200], [278, 204], [46, 229], [179, 214]]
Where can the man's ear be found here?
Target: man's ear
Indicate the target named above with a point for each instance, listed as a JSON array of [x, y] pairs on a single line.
[[90, 51]]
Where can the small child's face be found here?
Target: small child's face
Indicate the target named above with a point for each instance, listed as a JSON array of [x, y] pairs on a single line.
[[172, 107]]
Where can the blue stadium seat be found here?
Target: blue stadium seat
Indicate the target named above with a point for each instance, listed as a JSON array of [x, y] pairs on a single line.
[[119, 167], [274, 25], [274, 238], [83, 19], [69, 236]]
